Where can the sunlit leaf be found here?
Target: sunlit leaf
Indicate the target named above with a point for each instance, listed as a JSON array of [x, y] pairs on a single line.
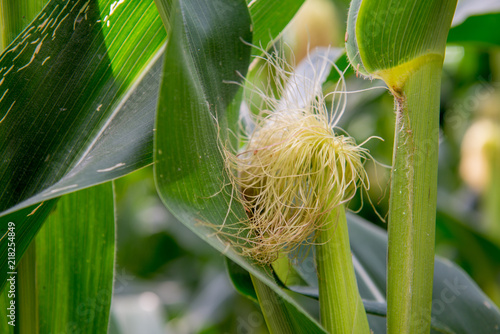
[[15, 16], [64, 82]]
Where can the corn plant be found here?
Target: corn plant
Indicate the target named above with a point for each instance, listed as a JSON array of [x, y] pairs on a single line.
[[91, 91]]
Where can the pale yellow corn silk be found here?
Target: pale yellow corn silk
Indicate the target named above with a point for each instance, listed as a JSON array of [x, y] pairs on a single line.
[[293, 171]]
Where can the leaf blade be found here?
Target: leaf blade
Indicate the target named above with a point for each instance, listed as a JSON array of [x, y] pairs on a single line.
[[189, 167]]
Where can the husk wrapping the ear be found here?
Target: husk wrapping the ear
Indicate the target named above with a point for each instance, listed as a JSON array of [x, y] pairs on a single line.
[[294, 168]]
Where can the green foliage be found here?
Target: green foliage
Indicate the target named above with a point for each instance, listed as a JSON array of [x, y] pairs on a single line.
[[81, 88], [198, 100], [385, 34], [65, 281], [459, 306], [403, 44]]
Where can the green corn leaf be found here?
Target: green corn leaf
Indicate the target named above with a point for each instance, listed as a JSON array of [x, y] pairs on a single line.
[[241, 280], [459, 306], [476, 22], [64, 81], [77, 114], [269, 18], [203, 54], [403, 43], [103, 80], [75, 258], [15, 16], [477, 29]]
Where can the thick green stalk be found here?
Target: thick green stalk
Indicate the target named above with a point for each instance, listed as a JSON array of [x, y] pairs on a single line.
[[277, 321], [341, 307], [412, 208]]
